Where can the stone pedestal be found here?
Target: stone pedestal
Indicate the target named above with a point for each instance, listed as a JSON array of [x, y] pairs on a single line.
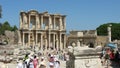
[[83, 57], [87, 61]]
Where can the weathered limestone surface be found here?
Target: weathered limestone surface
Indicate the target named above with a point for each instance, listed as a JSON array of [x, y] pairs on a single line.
[[83, 57], [11, 37], [84, 51], [88, 62]]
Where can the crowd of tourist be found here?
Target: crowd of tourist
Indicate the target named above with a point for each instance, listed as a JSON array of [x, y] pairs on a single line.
[[110, 57], [42, 60]]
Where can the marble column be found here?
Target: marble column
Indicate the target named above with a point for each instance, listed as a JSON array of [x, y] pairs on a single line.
[[54, 41], [60, 42], [64, 41], [29, 38], [54, 25], [36, 38], [23, 38], [109, 33], [21, 23], [37, 22], [60, 20], [46, 43], [64, 24], [29, 22], [57, 41], [41, 40], [25, 21], [49, 32], [19, 37], [41, 21]]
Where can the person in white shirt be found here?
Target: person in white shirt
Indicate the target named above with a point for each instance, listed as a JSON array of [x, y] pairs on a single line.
[[30, 64], [20, 64]]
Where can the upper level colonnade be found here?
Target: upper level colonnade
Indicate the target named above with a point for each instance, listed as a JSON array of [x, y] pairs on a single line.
[[34, 20]]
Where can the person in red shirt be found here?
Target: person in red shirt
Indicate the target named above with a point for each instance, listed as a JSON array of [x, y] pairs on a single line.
[[112, 56]]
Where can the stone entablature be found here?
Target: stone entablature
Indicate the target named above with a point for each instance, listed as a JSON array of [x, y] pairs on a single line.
[[84, 33], [43, 30]]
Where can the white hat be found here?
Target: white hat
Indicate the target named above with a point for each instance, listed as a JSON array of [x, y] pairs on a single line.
[[42, 57], [52, 56]]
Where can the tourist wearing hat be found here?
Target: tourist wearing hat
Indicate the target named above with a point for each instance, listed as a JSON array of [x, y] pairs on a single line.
[[42, 64], [30, 64]]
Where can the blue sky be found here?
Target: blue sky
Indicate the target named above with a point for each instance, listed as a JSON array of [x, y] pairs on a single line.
[[81, 14]]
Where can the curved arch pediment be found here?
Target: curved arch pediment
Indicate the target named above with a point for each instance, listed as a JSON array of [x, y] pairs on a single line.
[[33, 12]]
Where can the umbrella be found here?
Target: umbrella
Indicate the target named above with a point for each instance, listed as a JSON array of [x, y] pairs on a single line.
[[111, 45]]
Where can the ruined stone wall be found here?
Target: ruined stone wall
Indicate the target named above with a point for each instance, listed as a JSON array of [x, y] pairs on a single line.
[[102, 40]]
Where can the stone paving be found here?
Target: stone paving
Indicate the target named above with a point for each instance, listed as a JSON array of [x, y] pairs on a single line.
[[10, 65], [13, 65], [63, 65]]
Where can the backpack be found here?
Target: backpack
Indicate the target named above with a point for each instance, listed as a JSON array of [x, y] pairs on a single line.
[[106, 56]]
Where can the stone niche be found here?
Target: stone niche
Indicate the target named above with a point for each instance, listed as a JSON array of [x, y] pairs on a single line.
[[83, 57]]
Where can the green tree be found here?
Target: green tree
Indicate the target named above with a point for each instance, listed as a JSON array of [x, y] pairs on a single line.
[[6, 26], [115, 30], [14, 28], [0, 25]]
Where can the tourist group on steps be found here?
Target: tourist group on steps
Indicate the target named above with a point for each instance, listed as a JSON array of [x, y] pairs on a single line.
[[42, 61]]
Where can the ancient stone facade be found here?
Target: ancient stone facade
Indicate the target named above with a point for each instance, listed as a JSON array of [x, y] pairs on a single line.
[[43, 30], [82, 38]]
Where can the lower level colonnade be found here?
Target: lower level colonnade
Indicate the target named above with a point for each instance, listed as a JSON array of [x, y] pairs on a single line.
[[44, 40]]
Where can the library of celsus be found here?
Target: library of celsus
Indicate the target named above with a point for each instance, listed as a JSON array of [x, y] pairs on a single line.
[[43, 30]]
